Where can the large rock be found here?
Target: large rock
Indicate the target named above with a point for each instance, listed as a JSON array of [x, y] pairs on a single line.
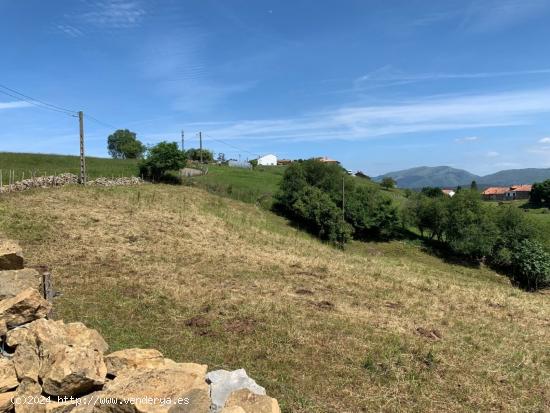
[[72, 371], [134, 358], [29, 398], [27, 362], [6, 405], [251, 403], [183, 382], [3, 329], [26, 306], [223, 383], [46, 333], [11, 256], [8, 378], [14, 281]]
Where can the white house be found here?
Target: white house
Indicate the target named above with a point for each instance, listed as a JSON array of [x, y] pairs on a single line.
[[267, 160]]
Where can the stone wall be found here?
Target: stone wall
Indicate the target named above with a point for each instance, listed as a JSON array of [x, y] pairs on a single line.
[[48, 366]]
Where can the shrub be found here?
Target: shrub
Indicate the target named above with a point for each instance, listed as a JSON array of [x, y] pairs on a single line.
[[531, 265], [194, 154], [540, 194], [162, 158], [470, 229], [388, 183], [432, 191]]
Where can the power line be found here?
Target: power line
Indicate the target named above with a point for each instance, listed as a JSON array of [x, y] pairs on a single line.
[[100, 122], [232, 146], [36, 102]]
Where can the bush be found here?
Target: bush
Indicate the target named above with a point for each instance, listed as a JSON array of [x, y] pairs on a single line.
[[388, 183], [531, 265], [540, 194], [161, 159], [195, 155], [371, 213]]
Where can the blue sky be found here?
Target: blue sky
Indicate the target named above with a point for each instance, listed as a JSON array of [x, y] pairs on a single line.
[[378, 85]]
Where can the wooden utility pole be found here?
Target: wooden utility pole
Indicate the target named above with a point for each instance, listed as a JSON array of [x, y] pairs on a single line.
[[82, 178], [200, 144], [182, 141]]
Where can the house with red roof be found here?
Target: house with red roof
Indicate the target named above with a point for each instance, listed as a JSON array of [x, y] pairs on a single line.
[[507, 193]]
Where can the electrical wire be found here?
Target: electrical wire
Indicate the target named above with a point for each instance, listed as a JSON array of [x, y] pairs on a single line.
[[232, 146], [36, 102]]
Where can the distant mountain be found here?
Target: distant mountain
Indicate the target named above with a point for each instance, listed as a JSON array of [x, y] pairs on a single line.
[[515, 176], [441, 176], [445, 176]]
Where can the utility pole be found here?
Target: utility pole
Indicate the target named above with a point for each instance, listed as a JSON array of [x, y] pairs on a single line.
[[182, 141], [200, 140], [82, 178]]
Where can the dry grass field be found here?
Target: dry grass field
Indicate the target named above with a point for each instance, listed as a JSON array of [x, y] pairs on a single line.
[[378, 327]]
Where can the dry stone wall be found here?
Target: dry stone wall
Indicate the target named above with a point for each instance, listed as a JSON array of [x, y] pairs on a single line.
[[49, 366], [66, 179]]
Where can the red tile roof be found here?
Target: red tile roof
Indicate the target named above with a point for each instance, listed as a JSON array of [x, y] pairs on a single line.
[[521, 188], [495, 190]]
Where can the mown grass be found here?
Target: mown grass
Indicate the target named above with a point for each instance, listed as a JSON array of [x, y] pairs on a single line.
[[376, 327], [25, 165]]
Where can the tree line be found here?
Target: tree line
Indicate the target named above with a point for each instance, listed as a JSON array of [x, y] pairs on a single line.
[[324, 200]]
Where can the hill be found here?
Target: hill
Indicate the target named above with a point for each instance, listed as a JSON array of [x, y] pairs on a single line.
[[445, 176], [441, 176], [25, 164], [516, 176], [376, 327]]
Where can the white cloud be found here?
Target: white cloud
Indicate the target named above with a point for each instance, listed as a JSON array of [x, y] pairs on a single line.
[[14, 105], [436, 113], [115, 14], [467, 139], [69, 30], [492, 154], [545, 140]]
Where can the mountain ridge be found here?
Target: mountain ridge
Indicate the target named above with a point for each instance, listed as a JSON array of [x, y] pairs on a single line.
[[446, 176]]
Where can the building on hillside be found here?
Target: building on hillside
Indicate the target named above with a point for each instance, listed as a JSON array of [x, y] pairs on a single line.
[[326, 159], [519, 192], [507, 193], [267, 160], [284, 162], [495, 193], [448, 192]]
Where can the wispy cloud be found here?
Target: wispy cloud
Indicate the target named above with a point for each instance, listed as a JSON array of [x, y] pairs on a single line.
[[69, 30], [14, 105], [494, 15], [114, 14], [390, 76], [467, 139], [436, 113], [492, 154], [545, 140]]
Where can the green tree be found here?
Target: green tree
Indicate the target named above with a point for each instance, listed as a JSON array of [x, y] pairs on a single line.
[[161, 159], [430, 215], [123, 144], [473, 186], [194, 154], [470, 229], [432, 191], [540, 194], [388, 183], [531, 265]]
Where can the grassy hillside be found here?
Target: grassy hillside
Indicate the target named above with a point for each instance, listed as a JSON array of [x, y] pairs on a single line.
[[378, 327], [25, 164]]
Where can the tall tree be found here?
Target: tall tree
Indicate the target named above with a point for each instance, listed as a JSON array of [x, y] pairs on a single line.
[[123, 144]]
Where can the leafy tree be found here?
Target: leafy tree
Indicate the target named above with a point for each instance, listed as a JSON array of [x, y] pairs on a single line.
[[429, 215], [531, 265], [123, 144], [221, 159], [540, 194], [432, 191], [161, 159], [388, 183], [473, 186], [194, 154], [470, 229], [371, 213], [253, 163]]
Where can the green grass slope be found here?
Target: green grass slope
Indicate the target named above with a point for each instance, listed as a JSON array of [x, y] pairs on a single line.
[[379, 327], [25, 164]]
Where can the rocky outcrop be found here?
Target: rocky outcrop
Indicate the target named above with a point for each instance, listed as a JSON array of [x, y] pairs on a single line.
[[49, 366]]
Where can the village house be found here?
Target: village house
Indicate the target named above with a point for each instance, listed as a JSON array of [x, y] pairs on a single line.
[[326, 159], [449, 192], [507, 193], [267, 160]]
